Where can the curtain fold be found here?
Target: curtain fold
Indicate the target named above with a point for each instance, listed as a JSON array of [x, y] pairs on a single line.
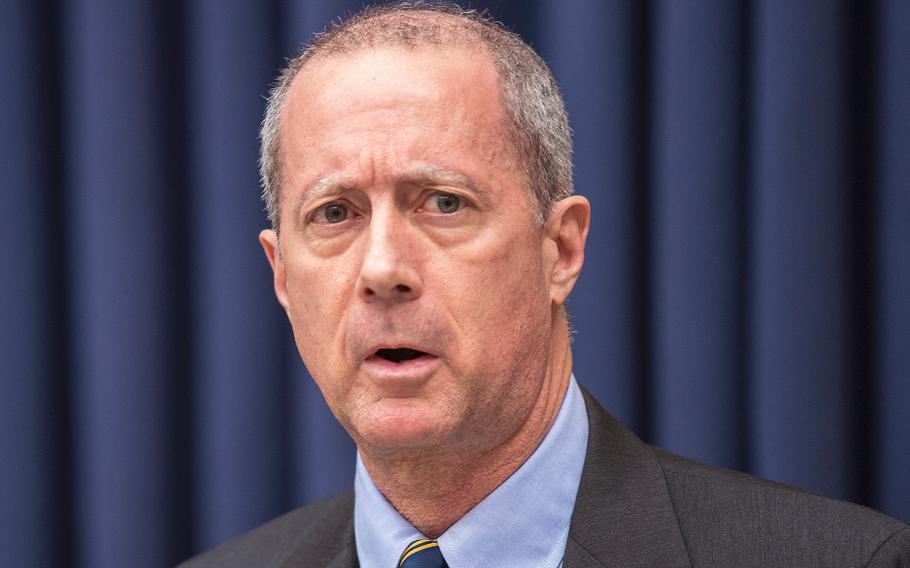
[[698, 230], [800, 352], [34, 469], [743, 302], [239, 382], [891, 369], [125, 282]]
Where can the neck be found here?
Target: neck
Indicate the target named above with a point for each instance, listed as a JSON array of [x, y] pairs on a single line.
[[436, 490]]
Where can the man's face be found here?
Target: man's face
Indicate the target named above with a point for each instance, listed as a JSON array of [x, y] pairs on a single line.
[[416, 281]]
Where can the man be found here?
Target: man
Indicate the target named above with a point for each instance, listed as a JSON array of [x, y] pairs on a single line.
[[416, 165]]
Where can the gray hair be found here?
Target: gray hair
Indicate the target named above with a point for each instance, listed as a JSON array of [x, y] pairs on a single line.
[[537, 123]]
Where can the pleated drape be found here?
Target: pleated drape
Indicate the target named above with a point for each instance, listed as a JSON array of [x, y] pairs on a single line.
[[239, 394], [35, 485], [889, 257], [698, 230], [802, 228], [125, 281], [744, 298]]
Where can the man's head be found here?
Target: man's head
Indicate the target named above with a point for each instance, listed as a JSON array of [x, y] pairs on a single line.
[[422, 274]]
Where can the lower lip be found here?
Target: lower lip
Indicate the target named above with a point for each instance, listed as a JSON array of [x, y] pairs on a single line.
[[412, 369]]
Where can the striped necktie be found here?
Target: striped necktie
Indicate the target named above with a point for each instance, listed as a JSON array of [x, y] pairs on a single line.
[[423, 553]]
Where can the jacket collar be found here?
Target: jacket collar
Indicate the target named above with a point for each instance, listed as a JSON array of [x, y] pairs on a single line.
[[623, 514]]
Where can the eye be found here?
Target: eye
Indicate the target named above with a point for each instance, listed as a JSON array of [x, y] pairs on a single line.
[[331, 213], [446, 203]]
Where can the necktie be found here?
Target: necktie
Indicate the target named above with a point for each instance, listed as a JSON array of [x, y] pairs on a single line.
[[422, 553]]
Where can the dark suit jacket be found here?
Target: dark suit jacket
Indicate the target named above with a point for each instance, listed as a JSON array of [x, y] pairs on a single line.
[[637, 507]]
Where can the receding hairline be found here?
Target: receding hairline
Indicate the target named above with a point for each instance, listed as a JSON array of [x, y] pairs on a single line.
[[481, 54], [462, 31], [454, 31], [367, 32]]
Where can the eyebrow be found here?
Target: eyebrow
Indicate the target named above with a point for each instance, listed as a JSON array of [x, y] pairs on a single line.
[[324, 186], [434, 175]]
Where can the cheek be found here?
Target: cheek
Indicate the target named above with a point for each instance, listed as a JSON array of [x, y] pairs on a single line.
[[514, 277], [501, 301], [318, 294]]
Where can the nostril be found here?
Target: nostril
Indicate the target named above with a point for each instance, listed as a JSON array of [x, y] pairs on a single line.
[[393, 292]]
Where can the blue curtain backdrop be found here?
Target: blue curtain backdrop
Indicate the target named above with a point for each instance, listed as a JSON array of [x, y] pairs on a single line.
[[744, 302]]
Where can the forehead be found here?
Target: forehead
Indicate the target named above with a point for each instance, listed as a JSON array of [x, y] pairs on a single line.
[[442, 88]]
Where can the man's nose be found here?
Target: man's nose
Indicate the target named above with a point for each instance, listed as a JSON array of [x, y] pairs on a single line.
[[389, 272]]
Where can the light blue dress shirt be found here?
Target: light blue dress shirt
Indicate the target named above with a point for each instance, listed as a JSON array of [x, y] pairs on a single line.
[[523, 522]]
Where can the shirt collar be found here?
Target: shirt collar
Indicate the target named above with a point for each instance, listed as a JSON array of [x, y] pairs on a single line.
[[523, 522]]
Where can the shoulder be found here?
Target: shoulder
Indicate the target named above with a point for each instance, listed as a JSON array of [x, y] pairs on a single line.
[[729, 518], [668, 507], [319, 532]]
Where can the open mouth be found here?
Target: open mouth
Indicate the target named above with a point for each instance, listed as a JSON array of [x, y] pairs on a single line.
[[399, 355]]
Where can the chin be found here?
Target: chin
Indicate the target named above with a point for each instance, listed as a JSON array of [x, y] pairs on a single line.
[[399, 440], [404, 427]]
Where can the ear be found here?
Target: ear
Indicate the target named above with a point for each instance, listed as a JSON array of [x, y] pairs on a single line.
[[269, 240], [567, 227]]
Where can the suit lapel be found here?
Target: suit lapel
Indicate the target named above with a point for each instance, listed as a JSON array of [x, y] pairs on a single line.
[[331, 543], [577, 557], [623, 514], [347, 558]]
